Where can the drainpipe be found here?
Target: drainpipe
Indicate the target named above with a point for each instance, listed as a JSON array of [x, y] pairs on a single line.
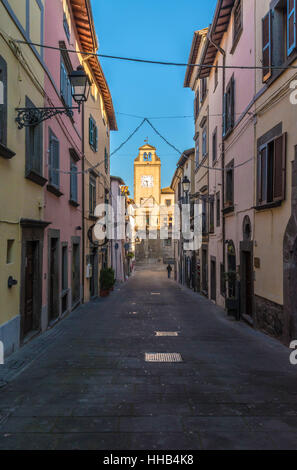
[[83, 203], [223, 52]]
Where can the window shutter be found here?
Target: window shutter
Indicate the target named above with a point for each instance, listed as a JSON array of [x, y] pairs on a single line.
[[69, 97], [267, 45], [291, 26], [56, 165], [96, 138], [279, 187], [90, 131], [63, 83], [37, 151], [73, 183], [232, 103]]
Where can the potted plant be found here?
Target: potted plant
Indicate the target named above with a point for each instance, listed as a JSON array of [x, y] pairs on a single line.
[[107, 281]]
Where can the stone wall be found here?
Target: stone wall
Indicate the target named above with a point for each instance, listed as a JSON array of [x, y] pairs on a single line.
[[269, 317]]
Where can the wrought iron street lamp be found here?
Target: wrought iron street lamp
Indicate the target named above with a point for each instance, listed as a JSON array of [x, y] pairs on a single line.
[[186, 186], [80, 89], [80, 85]]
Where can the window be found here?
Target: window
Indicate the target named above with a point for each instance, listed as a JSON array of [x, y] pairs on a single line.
[[291, 26], [204, 142], [204, 217], [279, 36], [147, 157], [230, 185], [105, 160], [211, 215], [214, 146], [65, 86], [197, 152], [218, 207], [66, 26], [203, 89], [168, 242], [73, 182], [168, 202], [196, 105], [237, 18], [271, 184], [3, 102], [54, 160], [266, 46], [34, 151], [229, 107], [93, 134], [92, 195]]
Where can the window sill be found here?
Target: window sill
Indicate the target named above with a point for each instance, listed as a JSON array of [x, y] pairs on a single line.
[[52, 189], [228, 210], [6, 152], [270, 205], [73, 203], [36, 177]]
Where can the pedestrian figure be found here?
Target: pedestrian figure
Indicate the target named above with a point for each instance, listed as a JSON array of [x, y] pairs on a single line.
[[169, 269]]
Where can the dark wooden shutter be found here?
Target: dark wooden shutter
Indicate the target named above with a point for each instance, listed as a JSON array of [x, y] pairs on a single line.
[[91, 133], [291, 26], [279, 187], [232, 104], [96, 137], [266, 46]]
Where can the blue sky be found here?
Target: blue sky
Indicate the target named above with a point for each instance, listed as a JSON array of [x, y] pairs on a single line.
[[157, 30]]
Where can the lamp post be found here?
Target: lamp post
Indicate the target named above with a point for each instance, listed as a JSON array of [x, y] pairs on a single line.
[[186, 187], [80, 89]]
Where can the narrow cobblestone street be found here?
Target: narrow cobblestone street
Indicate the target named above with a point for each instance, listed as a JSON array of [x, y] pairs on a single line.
[[85, 383]]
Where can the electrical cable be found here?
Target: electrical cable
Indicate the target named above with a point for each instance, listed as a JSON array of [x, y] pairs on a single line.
[[155, 62]]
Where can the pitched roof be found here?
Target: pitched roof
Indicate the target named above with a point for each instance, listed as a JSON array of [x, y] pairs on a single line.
[[167, 190], [185, 156], [219, 26], [198, 35], [147, 147], [83, 17]]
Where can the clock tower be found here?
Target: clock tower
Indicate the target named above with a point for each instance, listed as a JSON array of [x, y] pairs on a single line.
[[147, 176]]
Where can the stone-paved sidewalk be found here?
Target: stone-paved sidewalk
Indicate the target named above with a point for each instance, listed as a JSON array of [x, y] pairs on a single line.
[[85, 383]]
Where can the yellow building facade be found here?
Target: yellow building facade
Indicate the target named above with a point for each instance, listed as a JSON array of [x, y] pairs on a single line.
[[21, 178]]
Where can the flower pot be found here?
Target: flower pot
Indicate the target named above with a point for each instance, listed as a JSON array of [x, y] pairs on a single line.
[[104, 292]]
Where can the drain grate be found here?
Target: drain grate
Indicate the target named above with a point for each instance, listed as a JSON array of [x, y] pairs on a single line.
[[155, 293], [163, 357], [166, 333]]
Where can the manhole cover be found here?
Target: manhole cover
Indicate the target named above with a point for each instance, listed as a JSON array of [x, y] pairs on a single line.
[[163, 357], [166, 333]]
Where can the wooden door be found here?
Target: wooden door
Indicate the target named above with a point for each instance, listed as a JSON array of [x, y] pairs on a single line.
[[29, 287]]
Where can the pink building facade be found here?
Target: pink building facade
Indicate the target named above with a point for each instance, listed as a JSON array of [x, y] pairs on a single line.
[[62, 255]]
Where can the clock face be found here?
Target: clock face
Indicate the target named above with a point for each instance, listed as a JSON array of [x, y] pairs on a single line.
[[147, 181]]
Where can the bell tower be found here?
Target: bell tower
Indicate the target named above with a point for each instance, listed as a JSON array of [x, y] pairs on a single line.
[[147, 175]]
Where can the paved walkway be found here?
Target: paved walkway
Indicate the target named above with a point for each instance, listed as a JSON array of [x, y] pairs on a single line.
[[85, 383]]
